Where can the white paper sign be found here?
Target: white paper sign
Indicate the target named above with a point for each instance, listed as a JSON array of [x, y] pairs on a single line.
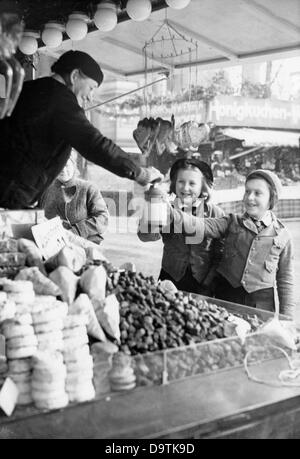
[[8, 396], [50, 237]]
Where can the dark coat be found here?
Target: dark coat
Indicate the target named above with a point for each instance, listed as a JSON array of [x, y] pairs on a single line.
[[80, 205], [36, 141]]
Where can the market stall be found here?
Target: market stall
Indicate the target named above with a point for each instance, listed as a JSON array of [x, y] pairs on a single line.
[[176, 356], [87, 349]]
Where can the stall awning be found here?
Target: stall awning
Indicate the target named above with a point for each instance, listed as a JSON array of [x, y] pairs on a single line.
[[264, 138]]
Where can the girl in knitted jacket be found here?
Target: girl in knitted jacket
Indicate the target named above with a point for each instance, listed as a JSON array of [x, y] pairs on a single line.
[[191, 265]]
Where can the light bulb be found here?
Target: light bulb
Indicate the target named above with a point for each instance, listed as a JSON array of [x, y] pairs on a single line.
[[139, 10], [52, 34], [106, 17], [177, 4], [28, 44], [76, 26]]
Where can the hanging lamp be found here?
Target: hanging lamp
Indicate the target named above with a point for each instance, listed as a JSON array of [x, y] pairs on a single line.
[[106, 17], [52, 34], [29, 42], [178, 4], [139, 10], [76, 26]]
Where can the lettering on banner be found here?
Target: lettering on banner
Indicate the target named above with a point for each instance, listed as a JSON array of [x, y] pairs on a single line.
[[242, 111]]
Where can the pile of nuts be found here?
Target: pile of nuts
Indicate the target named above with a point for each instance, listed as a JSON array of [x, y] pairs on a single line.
[[154, 320]]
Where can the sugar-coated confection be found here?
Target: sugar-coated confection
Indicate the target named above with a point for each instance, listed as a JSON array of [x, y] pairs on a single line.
[[3, 297], [23, 318], [74, 332], [75, 320], [55, 335], [53, 403], [116, 387], [46, 316], [22, 341], [25, 399], [19, 365], [78, 377], [56, 345], [51, 376], [48, 387], [80, 364], [82, 394], [21, 298], [21, 377], [48, 327], [11, 286], [21, 353], [73, 343], [77, 354], [11, 329], [47, 360]]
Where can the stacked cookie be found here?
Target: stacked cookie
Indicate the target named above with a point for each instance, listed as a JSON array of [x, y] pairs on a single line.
[[7, 308], [122, 375], [102, 356], [21, 345], [20, 371], [78, 360], [11, 261], [47, 314], [20, 292], [48, 381], [21, 342]]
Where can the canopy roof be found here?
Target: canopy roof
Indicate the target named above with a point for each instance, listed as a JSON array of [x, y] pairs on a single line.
[[220, 33], [262, 137]]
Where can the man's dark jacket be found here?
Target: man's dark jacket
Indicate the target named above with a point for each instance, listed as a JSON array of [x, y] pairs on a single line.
[[35, 143]]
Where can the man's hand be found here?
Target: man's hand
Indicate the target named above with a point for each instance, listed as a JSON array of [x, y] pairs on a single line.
[[155, 175], [66, 224], [149, 175]]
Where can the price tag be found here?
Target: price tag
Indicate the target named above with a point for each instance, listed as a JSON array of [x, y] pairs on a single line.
[[8, 396], [50, 237]]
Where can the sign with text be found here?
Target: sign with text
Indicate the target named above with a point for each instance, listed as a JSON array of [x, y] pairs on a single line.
[[50, 237], [8, 396], [243, 111]]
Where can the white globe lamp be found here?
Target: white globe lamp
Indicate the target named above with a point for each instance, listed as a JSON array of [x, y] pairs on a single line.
[[139, 10], [106, 18], [76, 26], [52, 34], [29, 44], [177, 4]]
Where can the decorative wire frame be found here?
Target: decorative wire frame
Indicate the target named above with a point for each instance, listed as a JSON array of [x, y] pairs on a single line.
[[165, 46]]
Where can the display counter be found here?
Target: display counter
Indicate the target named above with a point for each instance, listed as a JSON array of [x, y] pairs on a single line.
[[201, 391], [221, 405]]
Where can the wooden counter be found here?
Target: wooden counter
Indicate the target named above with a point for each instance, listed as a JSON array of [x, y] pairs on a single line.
[[220, 405]]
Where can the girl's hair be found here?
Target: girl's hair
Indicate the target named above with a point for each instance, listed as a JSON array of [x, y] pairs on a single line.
[[273, 194], [191, 163]]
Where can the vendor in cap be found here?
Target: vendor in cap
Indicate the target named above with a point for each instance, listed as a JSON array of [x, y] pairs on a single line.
[[48, 120], [191, 265]]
